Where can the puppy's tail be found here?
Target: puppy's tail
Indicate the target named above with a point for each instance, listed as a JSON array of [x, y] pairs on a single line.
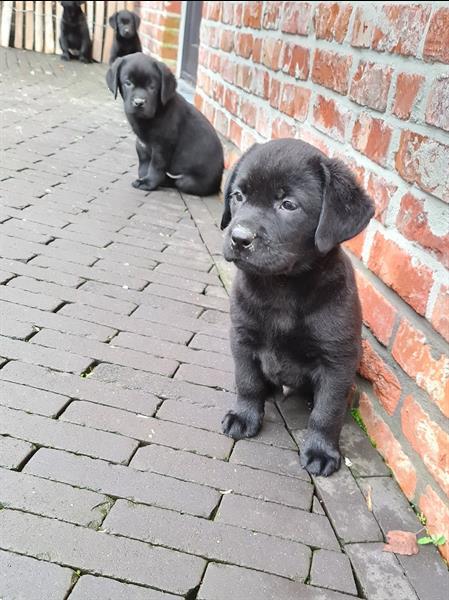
[[173, 176]]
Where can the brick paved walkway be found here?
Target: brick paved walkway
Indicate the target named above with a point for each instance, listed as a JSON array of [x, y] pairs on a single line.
[[115, 372]]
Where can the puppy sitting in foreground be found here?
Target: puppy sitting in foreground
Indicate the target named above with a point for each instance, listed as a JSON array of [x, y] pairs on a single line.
[[295, 311], [126, 39], [176, 145], [75, 39]]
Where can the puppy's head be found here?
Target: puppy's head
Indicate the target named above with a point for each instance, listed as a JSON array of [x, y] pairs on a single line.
[[125, 23], [286, 205], [145, 84], [72, 9]]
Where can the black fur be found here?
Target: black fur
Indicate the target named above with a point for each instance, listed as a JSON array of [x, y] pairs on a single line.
[[126, 39], [176, 145], [75, 39], [295, 312]]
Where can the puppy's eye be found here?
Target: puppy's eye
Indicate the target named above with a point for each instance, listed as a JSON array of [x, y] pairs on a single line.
[[127, 82], [288, 205], [238, 196]]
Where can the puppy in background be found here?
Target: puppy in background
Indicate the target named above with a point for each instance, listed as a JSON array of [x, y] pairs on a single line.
[[176, 145], [295, 311], [126, 40], [75, 39]]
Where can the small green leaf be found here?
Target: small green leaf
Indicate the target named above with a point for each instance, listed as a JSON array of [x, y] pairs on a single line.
[[439, 540], [425, 540]]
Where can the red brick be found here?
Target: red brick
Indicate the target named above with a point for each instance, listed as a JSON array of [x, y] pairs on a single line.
[[263, 122], [209, 111], [231, 101], [257, 50], [213, 10], [260, 83], [370, 85], [331, 70], [389, 447], [238, 14], [407, 88], [252, 14], [372, 138], [331, 118], [381, 192], [406, 276], [311, 137], [221, 122], [282, 129], [386, 385], [228, 70], [412, 352], [295, 61], [378, 314], [437, 111], [198, 101], [401, 28], [437, 516], [275, 92], [362, 31], [331, 21], [235, 132], [215, 62], [296, 17], [428, 440], [271, 15], [231, 157], [440, 314], [244, 43], [248, 112], [295, 101], [227, 13], [355, 245], [271, 53], [227, 40], [248, 140], [422, 160], [436, 46], [217, 91], [243, 76], [412, 221]]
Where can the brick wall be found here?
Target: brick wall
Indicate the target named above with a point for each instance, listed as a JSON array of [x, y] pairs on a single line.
[[368, 83], [159, 29]]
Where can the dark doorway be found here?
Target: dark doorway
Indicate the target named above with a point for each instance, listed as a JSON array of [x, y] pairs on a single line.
[[189, 62]]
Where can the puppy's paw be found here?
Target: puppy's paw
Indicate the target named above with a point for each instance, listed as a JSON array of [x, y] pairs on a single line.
[[65, 57], [319, 456], [240, 425], [137, 183], [85, 60]]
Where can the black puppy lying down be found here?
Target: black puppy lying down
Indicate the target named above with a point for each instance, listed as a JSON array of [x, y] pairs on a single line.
[[126, 39], [176, 145], [295, 312], [74, 39]]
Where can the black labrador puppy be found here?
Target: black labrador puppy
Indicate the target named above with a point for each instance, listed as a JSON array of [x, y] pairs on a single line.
[[126, 39], [75, 39], [176, 145], [295, 311]]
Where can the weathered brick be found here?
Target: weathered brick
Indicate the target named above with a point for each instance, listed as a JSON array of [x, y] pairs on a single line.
[[389, 447], [295, 60], [13, 452], [102, 553], [35, 401], [252, 14], [381, 191], [89, 587], [187, 296], [332, 570], [437, 515], [294, 101], [213, 344], [440, 314], [30, 270], [296, 17], [386, 385], [370, 85], [408, 86], [411, 279], [223, 475], [123, 482], [436, 46], [216, 540], [400, 29], [331, 21], [331, 118], [437, 109], [206, 376], [268, 458], [415, 355], [24, 577], [147, 429], [282, 129], [421, 160], [364, 460], [16, 329], [66, 436], [372, 137], [378, 314], [331, 70], [31, 299]]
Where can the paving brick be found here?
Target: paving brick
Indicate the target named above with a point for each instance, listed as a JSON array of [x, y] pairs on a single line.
[[206, 342], [15, 228], [342, 497], [217, 541], [123, 482], [355, 445], [206, 376], [67, 436], [147, 429], [21, 491], [105, 352], [379, 572], [99, 552], [94, 588], [4, 276], [187, 296], [25, 578], [72, 295], [224, 476], [81, 388], [16, 329], [13, 452], [317, 507], [57, 321], [268, 458], [31, 400], [332, 570], [222, 582], [209, 278], [34, 300], [44, 274]]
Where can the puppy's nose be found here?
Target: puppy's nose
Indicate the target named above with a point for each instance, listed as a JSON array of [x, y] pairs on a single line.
[[138, 102], [242, 237]]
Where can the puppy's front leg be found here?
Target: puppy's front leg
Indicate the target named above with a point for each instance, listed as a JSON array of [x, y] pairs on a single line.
[[65, 48], [152, 167], [320, 453], [253, 389]]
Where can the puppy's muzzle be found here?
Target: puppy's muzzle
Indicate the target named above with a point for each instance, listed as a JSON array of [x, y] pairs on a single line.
[[241, 237], [138, 102]]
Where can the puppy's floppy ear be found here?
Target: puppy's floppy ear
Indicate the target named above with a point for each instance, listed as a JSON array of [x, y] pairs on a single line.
[[113, 20], [168, 82], [226, 216], [136, 20], [113, 76], [346, 208]]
